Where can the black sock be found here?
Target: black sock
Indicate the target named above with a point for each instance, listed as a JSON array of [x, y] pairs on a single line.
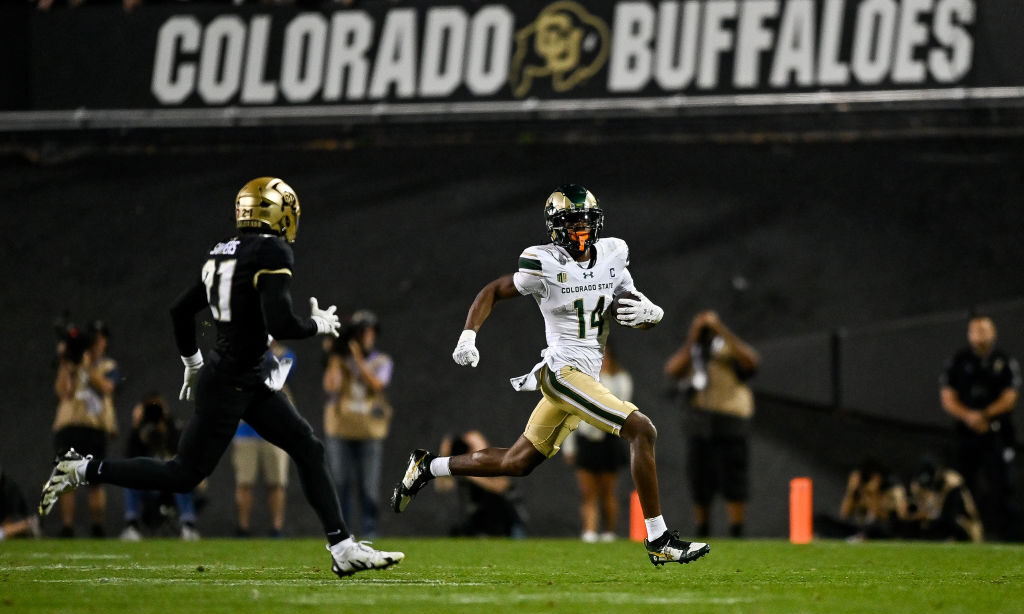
[[336, 537]]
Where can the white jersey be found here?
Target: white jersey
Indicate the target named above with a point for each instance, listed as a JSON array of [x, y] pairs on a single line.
[[575, 299]]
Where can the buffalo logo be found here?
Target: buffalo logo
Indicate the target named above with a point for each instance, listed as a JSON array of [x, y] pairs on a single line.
[[565, 43]]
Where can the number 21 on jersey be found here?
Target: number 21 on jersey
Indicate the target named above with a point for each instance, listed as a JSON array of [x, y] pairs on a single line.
[[218, 287]]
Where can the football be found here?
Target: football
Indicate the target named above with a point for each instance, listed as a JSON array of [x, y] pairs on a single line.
[[614, 309], [615, 303]]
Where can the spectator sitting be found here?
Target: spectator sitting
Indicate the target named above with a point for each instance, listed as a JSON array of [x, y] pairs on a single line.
[[874, 506], [488, 505], [15, 518], [943, 506], [155, 434]]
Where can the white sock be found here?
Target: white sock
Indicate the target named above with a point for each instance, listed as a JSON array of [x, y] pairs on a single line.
[[655, 527], [439, 467], [80, 470]]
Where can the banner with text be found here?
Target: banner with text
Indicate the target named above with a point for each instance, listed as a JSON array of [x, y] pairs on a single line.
[[469, 57]]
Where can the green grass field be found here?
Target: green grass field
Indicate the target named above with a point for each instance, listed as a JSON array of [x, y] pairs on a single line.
[[490, 576]]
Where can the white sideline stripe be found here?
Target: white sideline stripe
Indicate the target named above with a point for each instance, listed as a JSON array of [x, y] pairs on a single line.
[[482, 599], [528, 598], [50, 555], [329, 580], [135, 567]]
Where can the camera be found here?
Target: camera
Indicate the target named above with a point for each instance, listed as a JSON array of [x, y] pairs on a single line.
[[346, 333], [353, 328], [152, 413], [72, 341]]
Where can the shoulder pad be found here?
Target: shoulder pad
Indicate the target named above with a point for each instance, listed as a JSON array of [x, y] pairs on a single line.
[[538, 258], [615, 248], [275, 253]]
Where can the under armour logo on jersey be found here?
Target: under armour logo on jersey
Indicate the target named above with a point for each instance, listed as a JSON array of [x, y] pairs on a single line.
[[589, 275]]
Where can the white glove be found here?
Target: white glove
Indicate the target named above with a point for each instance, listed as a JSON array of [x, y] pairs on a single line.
[[192, 364], [636, 314], [326, 321], [465, 352]]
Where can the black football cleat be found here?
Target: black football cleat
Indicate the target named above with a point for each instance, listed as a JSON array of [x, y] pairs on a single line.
[[417, 474], [670, 549]]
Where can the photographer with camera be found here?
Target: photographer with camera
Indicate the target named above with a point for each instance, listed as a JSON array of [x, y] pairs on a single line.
[[85, 420], [357, 415], [712, 367], [155, 433]]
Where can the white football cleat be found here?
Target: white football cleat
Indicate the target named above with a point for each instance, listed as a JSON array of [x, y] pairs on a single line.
[[359, 556], [63, 478], [189, 532], [131, 533]]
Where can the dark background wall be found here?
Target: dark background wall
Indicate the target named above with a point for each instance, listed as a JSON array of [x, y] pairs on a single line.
[[788, 241]]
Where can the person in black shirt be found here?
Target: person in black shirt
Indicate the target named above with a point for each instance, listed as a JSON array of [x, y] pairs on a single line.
[[245, 283], [979, 389]]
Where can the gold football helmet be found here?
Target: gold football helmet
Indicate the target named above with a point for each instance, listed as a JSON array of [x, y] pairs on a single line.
[[573, 218], [270, 204]]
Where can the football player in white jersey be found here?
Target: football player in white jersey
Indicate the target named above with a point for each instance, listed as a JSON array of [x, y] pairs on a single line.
[[574, 280]]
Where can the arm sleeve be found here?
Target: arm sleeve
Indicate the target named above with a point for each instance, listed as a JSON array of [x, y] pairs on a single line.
[[530, 283], [183, 317], [276, 301]]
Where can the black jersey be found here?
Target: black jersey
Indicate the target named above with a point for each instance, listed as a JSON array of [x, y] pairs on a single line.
[[244, 282]]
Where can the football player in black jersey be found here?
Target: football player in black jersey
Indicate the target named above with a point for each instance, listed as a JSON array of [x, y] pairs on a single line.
[[245, 284]]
